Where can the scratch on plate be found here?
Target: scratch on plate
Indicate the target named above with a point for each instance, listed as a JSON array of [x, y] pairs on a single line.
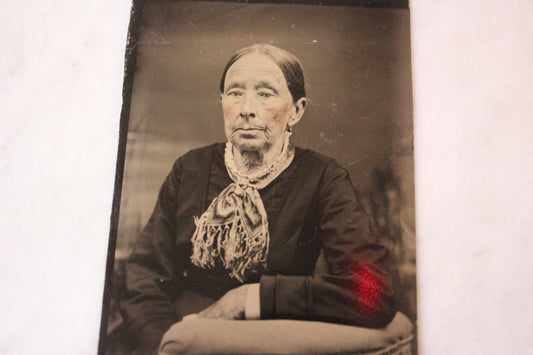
[[162, 40]]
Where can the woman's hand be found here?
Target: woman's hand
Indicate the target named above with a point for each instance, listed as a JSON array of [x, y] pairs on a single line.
[[230, 306]]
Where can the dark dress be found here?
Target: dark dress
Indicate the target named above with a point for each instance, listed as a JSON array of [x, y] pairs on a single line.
[[311, 206]]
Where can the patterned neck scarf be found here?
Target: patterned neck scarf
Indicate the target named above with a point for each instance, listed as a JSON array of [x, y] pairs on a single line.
[[234, 228]]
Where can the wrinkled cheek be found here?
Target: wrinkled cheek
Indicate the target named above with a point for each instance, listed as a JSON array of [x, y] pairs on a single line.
[[230, 114], [277, 122]]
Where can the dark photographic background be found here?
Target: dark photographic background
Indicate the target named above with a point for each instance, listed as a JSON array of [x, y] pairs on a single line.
[[357, 68]]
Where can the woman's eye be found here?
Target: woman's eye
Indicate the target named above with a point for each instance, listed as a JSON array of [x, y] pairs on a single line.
[[265, 94], [234, 93]]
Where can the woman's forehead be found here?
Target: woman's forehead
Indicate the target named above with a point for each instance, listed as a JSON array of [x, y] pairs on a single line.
[[255, 66]]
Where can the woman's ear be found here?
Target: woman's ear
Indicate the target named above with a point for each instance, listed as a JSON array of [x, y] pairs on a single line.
[[299, 109]]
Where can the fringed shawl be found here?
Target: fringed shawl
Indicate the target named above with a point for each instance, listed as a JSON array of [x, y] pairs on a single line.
[[234, 228]]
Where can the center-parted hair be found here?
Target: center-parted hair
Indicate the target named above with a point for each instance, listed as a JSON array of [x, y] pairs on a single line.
[[288, 63]]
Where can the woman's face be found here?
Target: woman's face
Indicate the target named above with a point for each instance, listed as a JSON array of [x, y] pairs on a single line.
[[257, 104]]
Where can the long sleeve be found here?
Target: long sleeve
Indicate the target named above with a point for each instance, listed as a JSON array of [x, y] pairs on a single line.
[[147, 307], [359, 286]]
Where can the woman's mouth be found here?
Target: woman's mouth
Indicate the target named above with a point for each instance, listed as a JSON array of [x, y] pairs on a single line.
[[249, 129]]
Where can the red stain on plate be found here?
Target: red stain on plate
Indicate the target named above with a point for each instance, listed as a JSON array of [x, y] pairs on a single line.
[[370, 290]]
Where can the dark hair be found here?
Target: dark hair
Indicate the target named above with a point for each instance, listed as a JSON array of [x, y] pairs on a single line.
[[288, 63]]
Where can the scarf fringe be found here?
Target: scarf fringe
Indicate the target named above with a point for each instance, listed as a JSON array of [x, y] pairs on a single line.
[[231, 243]]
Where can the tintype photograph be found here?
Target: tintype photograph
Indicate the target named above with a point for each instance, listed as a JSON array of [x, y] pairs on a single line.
[[264, 195]]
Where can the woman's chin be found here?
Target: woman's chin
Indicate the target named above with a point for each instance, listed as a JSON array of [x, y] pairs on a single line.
[[249, 144]]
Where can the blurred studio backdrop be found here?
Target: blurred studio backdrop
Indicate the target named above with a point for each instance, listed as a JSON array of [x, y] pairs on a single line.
[[357, 68]]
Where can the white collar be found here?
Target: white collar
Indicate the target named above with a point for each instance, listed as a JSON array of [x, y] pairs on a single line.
[[265, 174]]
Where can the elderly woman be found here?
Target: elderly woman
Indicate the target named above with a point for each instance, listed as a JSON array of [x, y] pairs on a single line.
[[238, 227]]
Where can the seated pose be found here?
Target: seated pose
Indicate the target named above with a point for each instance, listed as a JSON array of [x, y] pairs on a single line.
[[238, 227]]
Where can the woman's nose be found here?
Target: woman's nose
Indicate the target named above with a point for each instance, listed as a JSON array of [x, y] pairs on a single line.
[[247, 109]]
